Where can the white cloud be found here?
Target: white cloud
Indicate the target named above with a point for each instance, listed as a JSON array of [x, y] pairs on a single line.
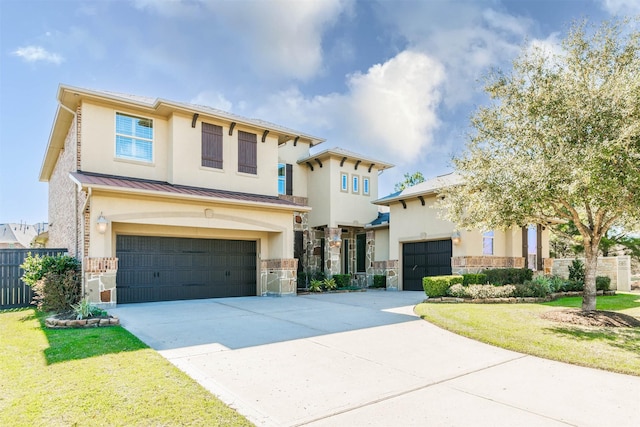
[[551, 46], [389, 111], [621, 7], [285, 37], [212, 99], [38, 53]]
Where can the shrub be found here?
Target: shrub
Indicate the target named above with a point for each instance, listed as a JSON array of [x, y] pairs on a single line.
[[481, 291], [379, 281], [84, 309], [573, 286], [544, 283], [557, 283], [57, 291], [318, 275], [330, 284], [531, 289], [474, 279], [508, 276], [436, 286], [603, 283], [315, 286], [576, 271], [55, 281], [342, 280]]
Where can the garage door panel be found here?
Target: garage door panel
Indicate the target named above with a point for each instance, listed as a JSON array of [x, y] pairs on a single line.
[[164, 268], [422, 259]]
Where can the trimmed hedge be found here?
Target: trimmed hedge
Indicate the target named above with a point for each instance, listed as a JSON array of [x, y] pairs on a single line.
[[603, 283], [342, 280], [436, 286], [474, 279], [508, 276], [379, 281]]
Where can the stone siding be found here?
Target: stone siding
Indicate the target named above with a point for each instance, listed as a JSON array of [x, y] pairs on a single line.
[[475, 264], [63, 199], [100, 281], [333, 241], [389, 269], [616, 268], [278, 277]]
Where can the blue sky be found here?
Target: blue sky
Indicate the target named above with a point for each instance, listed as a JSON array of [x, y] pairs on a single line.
[[394, 80]]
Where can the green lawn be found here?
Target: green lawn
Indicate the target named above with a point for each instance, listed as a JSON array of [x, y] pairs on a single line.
[[98, 376], [519, 327]]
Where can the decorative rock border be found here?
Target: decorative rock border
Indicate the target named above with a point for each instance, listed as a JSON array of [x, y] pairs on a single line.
[[93, 322], [511, 300]]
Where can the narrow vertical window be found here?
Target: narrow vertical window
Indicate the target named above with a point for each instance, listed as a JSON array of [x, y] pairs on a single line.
[[355, 184], [285, 179], [211, 146], [247, 152], [487, 243], [365, 186], [134, 138], [344, 182]]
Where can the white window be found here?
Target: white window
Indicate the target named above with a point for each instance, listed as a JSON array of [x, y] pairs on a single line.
[[134, 138], [487, 243], [344, 182], [355, 184], [365, 186]]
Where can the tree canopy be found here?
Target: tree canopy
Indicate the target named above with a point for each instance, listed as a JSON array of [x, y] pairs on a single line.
[[559, 142], [409, 181]]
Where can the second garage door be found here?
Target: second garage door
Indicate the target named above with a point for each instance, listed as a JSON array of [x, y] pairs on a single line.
[[421, 259], [168, 268]]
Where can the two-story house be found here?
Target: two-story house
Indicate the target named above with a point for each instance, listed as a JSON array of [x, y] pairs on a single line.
[[164, 200]]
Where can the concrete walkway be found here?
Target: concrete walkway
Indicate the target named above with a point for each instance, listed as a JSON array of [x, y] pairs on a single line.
[[365, 359]]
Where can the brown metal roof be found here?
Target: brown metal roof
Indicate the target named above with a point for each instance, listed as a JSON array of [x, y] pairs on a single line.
[[88, 179]]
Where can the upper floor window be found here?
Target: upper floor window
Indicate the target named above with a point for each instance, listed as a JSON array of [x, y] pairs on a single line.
[[365, 186], [355, 184], [211, 146], [487, 243], [134, 138], [285, 179], [247, 152], [344, 182]]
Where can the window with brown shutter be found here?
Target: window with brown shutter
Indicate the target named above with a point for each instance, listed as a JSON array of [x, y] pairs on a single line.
[[247, 152], [211, 146]]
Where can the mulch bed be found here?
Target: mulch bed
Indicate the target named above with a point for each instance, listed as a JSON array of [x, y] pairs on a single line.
[[69, 320], [598, 318]]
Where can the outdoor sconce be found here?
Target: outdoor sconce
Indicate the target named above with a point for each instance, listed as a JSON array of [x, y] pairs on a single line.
[[101, 223], [455, 238], [335, 242]]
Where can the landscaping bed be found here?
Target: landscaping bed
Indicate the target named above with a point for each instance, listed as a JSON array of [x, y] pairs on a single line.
[[69, 319], [511, 300]]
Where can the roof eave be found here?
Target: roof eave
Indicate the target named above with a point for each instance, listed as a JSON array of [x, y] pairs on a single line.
[[61, 124]]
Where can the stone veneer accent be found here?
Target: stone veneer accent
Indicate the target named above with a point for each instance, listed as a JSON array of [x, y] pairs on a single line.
[[389, 269], [547, 265], [100, 280], [617, 268], [475, 264], [278, 277], [332, 253], [370, 256]]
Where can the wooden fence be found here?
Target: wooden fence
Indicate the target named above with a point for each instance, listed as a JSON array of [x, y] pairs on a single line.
[[13, 292]]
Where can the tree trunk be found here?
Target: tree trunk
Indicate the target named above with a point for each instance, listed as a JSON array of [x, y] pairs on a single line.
[[590, 266]]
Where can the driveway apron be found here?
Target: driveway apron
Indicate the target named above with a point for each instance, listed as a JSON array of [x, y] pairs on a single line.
[[365, 358]]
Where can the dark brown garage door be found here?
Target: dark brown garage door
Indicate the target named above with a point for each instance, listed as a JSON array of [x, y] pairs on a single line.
[[423, 259], [168, 268]]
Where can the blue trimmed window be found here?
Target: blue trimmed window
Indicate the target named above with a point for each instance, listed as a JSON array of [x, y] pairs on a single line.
[[282, 178], [134, 138], [487, 243], [344, 182], [355, 184], [365, 186]]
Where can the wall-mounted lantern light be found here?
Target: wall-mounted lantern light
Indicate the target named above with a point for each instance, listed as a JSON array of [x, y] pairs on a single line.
[[455, 238], [101, 223], [335, 242]]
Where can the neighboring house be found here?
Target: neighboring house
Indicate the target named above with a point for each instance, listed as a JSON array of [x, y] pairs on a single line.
[[165, 200], [421, 243], [19, 236]]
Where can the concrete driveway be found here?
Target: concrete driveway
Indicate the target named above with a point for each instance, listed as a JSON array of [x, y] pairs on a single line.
[[365, 359]]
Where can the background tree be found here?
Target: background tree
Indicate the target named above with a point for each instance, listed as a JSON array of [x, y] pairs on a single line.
[[559, 142], [409, 181]]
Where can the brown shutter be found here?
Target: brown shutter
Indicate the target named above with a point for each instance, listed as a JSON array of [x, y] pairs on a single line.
[[525, 245], [289, 180], [247, 152], [211, 146]]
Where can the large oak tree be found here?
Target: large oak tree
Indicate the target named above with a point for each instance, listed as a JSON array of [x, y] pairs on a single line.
[[559, 141]]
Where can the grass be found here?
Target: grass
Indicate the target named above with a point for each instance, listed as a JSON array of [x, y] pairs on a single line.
[[519, 327], [97, 376]]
